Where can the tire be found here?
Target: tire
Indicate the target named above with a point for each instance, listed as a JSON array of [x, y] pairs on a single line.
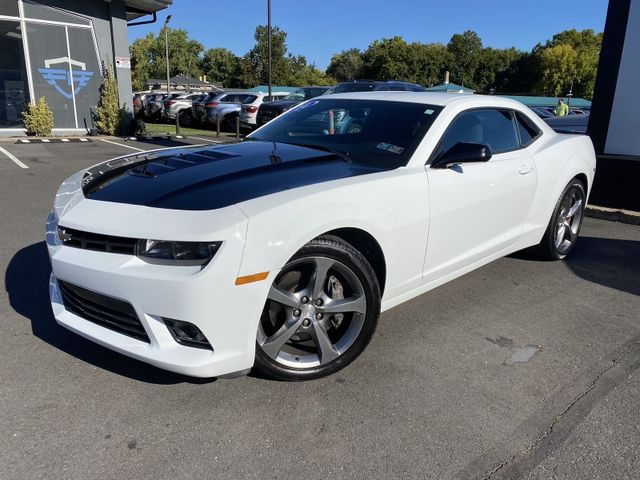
[[228, 122], [303, 332], [186, 119], [564, 226]]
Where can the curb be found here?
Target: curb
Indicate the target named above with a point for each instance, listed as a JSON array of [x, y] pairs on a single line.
[[613, 214], [24, 141], [153, 137]]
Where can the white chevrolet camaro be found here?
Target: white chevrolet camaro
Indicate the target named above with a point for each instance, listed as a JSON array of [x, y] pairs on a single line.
[[280, 252]]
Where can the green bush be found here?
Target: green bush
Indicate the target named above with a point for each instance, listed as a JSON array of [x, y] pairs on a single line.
[[38, 119], [109, 115]]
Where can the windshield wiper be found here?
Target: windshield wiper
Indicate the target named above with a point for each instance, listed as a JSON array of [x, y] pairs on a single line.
[[325, 148]]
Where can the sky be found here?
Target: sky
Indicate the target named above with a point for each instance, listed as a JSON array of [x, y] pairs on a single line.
[[318, 29]]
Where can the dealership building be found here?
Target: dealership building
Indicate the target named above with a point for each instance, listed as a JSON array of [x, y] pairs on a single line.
[[56, 48]]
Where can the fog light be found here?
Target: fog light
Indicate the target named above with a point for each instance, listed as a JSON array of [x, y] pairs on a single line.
[[187, 334]]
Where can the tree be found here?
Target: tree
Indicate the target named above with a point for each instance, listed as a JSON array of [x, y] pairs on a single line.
[[141, 60], [109, 115], [346, 65], [466, 49], [492, 66], [558, 68], [148, 56], [587, 45], [429, 62], [388, 59], [301, 74], [521, 76], [254, 63], [38, 118], [221, 65]]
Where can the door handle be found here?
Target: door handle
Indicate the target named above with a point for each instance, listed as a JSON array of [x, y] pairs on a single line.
[[525, 170]]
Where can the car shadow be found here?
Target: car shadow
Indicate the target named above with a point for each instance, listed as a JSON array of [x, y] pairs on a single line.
[[609, 262], [27, 284]]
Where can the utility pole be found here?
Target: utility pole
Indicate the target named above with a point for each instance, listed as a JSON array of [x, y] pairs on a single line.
[[269, 44], [166, 50], [570, 94]]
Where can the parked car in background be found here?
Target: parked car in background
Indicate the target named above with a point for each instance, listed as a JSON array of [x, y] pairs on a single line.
[[138, 107], [155, 105], [374, 86], [180, 105], [226, 108], [252, 103], [146, 104], [549, 112], [211, 100], [542, 112], [270, 110], [572, 111], [569, 123]]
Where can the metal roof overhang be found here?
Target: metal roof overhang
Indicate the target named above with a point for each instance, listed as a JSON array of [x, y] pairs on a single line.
[[139, 8]]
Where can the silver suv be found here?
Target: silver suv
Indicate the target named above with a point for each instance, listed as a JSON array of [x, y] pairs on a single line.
[[181, 106]]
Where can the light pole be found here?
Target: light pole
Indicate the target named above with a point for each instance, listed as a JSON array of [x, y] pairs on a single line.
[[166, 50], [269, 44]]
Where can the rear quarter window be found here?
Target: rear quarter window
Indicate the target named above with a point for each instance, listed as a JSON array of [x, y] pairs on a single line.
[[527, 129]]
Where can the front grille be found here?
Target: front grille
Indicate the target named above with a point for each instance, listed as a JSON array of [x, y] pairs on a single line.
[[108, 312], [97, 241]]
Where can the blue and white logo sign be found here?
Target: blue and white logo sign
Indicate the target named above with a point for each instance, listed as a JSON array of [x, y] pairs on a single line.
[[76, 80]]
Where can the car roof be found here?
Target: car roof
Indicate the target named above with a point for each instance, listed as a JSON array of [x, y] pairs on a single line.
[[431, 98]]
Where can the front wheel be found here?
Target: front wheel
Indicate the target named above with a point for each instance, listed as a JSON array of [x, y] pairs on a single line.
[[562, 231], [320, 313]]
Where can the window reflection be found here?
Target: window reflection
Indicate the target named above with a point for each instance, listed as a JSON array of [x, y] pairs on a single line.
[[14, 89]]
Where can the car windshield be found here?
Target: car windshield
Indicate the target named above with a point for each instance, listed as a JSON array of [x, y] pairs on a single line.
[[375, 132]]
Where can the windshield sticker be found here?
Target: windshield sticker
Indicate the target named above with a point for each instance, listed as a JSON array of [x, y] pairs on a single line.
[[428, 111], [390, 148]]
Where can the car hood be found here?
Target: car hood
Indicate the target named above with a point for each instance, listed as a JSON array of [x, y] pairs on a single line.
[[206, 178]]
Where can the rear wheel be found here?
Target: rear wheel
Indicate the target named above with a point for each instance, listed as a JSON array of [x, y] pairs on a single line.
[[228, 123], [186, 118], [320, 314], [564, 227]]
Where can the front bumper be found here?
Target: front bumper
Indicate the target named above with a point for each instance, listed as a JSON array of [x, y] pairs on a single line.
[[207, 297]]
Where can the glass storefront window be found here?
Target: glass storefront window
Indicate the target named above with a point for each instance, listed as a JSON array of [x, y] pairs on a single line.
[[14, 87], [50, 71], [86, 73], [63, 64], [9, 8], [41, 12]]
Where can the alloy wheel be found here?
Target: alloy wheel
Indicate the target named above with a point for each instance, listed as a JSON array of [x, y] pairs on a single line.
[[315, 310], [568, 220]]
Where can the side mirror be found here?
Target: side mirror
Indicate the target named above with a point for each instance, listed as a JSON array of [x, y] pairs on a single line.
[[463, 152]]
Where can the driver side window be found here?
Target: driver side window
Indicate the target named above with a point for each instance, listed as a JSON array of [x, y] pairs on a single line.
[[491, 127]]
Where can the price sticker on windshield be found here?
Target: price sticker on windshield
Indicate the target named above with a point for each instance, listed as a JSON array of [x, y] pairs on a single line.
[[390, 148]]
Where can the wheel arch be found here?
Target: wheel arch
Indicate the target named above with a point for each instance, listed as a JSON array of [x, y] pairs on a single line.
[[582, 178], [368, 246]]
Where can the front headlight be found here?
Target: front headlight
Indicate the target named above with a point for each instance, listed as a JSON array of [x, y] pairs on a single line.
[[186, 253]]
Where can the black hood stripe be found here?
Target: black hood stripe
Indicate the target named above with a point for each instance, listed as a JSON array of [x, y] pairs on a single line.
[[207, 178]]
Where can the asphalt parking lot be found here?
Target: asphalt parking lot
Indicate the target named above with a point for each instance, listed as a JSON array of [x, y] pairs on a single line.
[[521, 369]]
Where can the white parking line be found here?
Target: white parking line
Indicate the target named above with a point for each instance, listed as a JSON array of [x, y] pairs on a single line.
[[205, 139], [125, 146], [13, 158]]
